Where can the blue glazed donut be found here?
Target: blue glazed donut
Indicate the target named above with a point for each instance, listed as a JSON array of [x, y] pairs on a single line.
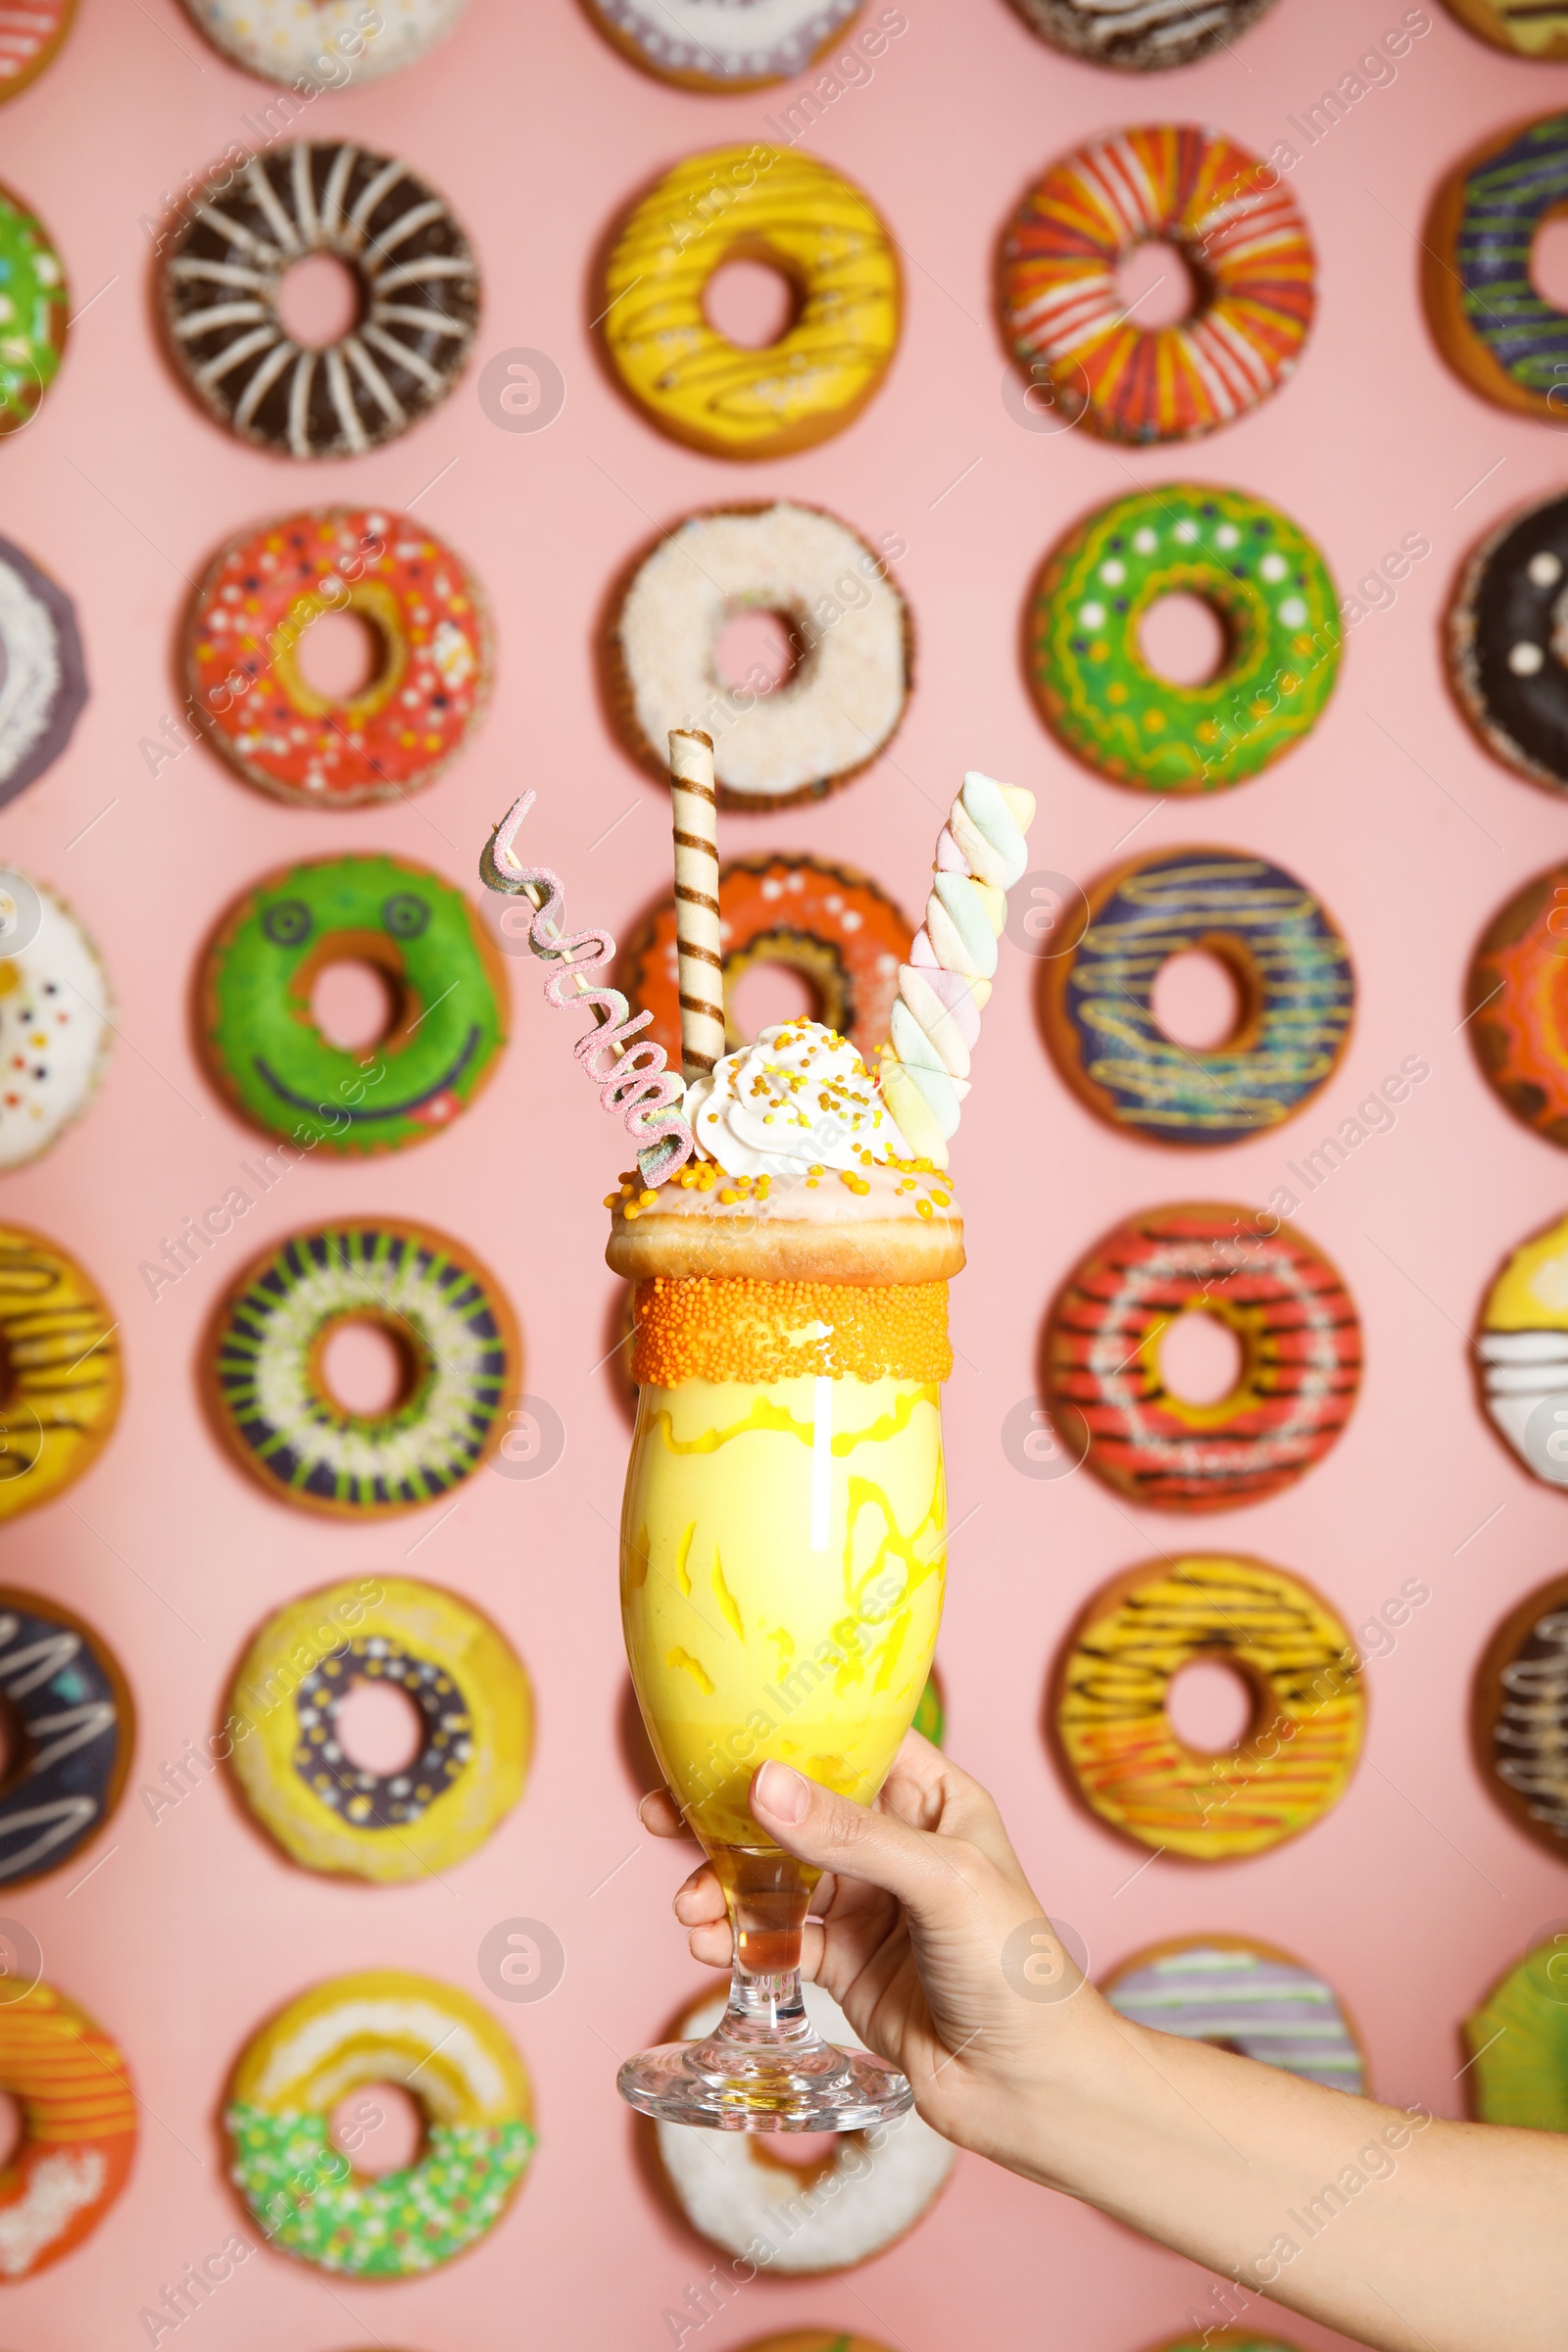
[[1501, 335], [1293, 975]]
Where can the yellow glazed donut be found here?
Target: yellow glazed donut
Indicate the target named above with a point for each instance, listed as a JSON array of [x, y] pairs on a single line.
[[476, 1719], [58, 1370], [756, 204]]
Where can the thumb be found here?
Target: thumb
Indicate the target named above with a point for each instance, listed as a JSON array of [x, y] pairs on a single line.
[[834, 1834]]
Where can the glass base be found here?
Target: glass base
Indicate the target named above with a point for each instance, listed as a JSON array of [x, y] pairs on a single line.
[[764, 2068]]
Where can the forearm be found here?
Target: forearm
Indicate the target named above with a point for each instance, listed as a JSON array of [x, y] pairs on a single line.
[[1402, 2231]]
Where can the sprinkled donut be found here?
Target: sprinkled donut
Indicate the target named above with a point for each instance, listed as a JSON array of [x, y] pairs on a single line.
[[44, 689], [714, 45], [798, 2221], [31, 37], [70, 1703], [78, 2128], [1529, 27], [848, 628], [1522, 1354], [447, 1318], [1300, 1346], [60, 1381], [418, 287], [1518, 2040], [1505, 340], [1295, 1759], [1507, 642], [379, 2025], [32, 312], [1141, 37], [1292, 976], [1246, 1996], [55, 1021], [328, 43], [476, 1729], [1262, 577], [259, 599], [1519, 1719], [1518, 1019], [1068, 327], [445, 979], [816, 229], [825, 921]]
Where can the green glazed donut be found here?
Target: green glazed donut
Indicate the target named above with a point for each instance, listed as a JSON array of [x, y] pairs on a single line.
[[1266, 582], [449, 1019], [1519, 2041], [32, 312]]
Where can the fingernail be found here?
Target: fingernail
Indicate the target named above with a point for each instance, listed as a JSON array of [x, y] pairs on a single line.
[[640, 1803], [783, 1792]]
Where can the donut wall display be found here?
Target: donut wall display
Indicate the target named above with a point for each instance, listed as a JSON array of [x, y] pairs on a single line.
[[414, 404]]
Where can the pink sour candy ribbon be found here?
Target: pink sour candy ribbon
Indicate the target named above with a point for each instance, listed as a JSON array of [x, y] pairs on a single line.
[[637, 1085]]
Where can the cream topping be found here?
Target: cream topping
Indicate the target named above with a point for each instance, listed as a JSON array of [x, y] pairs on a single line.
[[798, 1097]]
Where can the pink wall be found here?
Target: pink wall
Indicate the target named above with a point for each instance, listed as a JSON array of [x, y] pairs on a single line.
[[1415, 1893]]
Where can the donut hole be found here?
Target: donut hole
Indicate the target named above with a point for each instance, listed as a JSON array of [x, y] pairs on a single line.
[[1200, 1358], [1157, 286], [751, 299], [380, 2127], [13, 2129], [1549, 261], [364, 1367], [767, 993], [808, 2156], [1197, 1000], [756, 650], [341, 656], [355, 1004], [15, 1748], [1210, 1706], [320, 300], [379, 1728], [1183, 640]]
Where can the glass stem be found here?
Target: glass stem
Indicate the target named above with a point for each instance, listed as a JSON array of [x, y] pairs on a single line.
[[768, 1894]]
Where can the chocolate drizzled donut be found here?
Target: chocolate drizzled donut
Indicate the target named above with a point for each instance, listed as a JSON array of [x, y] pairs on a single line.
[[1141, 36], [1508, 637], [418, 287]]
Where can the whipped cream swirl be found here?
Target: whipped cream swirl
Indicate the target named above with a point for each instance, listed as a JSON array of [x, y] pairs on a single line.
[[798, 1097]]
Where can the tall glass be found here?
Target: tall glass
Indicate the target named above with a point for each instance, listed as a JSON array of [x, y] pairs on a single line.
[[783, 1561]]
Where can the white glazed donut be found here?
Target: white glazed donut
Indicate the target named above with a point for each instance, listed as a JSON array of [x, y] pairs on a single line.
[[55, 1010], [325, 42], [722, 44], [798, 2221], [45, 684], [852, 626]]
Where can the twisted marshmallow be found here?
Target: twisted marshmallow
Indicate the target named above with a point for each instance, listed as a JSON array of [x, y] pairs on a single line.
[[924, 1071], [635, 1081]]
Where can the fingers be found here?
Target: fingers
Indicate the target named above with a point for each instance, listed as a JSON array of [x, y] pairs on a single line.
[[660, 1816], [929, 1792], [877, 1848]]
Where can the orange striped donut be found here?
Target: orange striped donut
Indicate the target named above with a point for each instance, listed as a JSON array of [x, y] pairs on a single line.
[[1248, 248], [1300, 1748], [78, 2128]]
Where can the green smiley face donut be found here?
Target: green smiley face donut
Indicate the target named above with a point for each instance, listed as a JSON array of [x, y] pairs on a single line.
[[1262, 577], [443, 977]]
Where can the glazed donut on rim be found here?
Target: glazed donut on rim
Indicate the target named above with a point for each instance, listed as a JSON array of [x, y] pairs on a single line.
[[76, 1724], [1067, 326], [1517, 1006], [1141, 37], [35, 340], [78, 2128], [1267, 586], [1505, 340], [44, 689], [260, 598], [268, 1055], [1507, 642], [860, 2199], [419, 286], [1518, 2043], [1130, 1765], [713, 46], [1246, 1996], [1532, 31], [1294, 983], [454, 1332], [830, 719], [31, 37], [379, 2025], [282, 42], [56, 1022], [1521, 1354], [827, 922], [1300, 1346], [814, 226], [475, 1711], [60, 1378], [1519, 1716]]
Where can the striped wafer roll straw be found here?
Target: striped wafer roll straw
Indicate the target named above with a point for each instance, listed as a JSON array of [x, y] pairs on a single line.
[[701, 965]]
